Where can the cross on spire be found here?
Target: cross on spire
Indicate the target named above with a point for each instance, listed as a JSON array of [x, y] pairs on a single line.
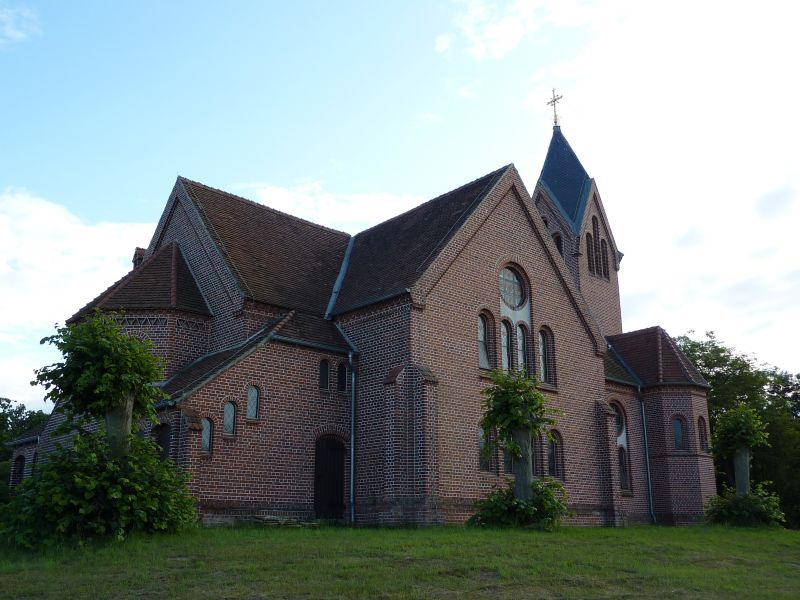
[[553, 103]]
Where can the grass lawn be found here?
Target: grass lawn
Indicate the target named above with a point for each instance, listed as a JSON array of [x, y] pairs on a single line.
[[698, 562]]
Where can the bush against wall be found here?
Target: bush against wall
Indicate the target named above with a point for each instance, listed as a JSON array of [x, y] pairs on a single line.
[[85, 492], [759, 507], [544, 510]]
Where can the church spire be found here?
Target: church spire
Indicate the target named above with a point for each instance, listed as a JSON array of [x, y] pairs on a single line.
[[552, 102]]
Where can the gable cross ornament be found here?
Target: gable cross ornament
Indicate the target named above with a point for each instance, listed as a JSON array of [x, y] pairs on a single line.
[[553, 103]]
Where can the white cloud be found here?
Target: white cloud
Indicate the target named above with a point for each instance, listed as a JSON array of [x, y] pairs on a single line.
[[429, 118], [346, 212], [17, 25], [51, 264], [442, 43], [694, 161]]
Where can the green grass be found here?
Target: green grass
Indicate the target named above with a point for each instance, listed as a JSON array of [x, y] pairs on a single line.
[[698, 562]]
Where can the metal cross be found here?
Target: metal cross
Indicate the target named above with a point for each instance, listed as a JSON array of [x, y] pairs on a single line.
[[553, 103]]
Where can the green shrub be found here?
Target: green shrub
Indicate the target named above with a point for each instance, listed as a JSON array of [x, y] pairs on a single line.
[[760, 507], [545, 510], [83, 493]]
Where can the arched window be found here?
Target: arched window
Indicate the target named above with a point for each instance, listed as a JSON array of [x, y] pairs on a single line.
[[207, 438], [484, 344], [252, 402], [590, 253], [505, 345], [621, 428], [604, 253], [596, 233], [624, 478], [702, 434], [522, 349], [559, 243], [555, 455], [512, 290], [679, 433], [229, 419], [324, 375], [341, 377], [163, 437], [547, 372], [484, 462], [18, 471]]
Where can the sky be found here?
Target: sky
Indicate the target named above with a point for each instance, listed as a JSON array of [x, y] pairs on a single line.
[[347, 113]]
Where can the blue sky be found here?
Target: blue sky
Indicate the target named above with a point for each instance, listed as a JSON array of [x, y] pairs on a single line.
[[348, 113]]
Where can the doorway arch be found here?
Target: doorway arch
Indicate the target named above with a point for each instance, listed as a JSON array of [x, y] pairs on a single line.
[[329, 458]]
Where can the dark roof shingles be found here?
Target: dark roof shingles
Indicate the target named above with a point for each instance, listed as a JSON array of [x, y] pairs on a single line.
[[278, 259], [389, 258], [564, 175]]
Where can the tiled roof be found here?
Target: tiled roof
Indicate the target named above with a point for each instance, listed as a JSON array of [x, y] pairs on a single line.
[[565, 178], [616, 370], [163, 281], [29, 436], [293, 327], [278, 259], [389, 258], [655, 358]]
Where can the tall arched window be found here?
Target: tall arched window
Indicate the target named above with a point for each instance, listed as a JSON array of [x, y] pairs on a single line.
[[18, 471], [596, 233], [484, 337], [679, 433], [547, 372], [512, 290], [229, 419], [604, 253], [622, 446], [624, 478], [590, 253], [341, 377], [559, 244], [324, 375], [702, 434], [555, 455], [522, 349], [505, 345], [207, 437], [252, 402]]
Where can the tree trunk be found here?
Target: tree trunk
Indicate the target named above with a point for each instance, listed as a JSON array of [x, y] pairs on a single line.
[[118, 427], [523, 465], [741, 465]]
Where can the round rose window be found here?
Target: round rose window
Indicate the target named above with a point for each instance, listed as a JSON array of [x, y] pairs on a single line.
[[511, 290]]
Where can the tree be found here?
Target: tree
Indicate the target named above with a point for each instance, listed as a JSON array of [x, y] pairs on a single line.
[[515, 410], [105, 374], [738, 430]]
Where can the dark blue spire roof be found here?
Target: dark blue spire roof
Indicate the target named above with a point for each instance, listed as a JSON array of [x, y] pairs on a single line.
[[565, 179]]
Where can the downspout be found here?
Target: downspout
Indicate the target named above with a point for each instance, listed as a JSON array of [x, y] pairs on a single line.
[[352, 438], [646, 456]]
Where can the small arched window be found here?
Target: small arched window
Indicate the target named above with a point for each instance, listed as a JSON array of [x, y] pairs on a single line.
[[555, 453], [679, 433], [207, 438], [484, 462], [505, 345], [341, 377], [229, 419], [522, 349], [484, 335], [559, 243], [18, 471], [604, 253], [590, 253], [324, 375], [252, 402], [702, 434], [547, 373], [596, 233]]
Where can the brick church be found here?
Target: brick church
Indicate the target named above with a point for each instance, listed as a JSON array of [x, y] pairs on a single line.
[[314, 374]]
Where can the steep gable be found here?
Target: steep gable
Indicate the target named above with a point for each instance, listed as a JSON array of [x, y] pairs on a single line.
[[277, 259], [163, 281], [565, 180], [389, 258]]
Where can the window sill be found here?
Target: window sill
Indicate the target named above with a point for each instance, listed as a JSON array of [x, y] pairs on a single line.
[[485, 373], [228, 436], [626, 493], [251, 420], [548, 387], [205, 455]]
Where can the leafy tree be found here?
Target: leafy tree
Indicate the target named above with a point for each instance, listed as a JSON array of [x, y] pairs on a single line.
[[105, 374], [515, 410], [737, 432]]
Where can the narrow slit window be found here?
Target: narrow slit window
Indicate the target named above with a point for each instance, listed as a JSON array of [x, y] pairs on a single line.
[[341, 377], [590, 253], [229, 419], [522, 349], [604, 252], [505, 341], [207, 435], [324, 375], [483, 342], [678, 433], [252, 402]]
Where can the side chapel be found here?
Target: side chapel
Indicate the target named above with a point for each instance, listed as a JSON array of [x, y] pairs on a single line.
[[314, 374]]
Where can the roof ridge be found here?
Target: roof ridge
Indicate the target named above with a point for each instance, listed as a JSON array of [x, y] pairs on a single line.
[[419, 206], [263, 206], [637, 331]]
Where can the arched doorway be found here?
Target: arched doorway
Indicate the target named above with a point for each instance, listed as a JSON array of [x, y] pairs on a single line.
[[329, 478]]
